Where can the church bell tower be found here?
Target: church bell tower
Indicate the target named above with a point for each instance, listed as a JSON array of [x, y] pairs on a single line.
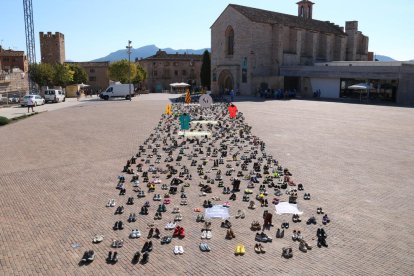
[[305, 9]]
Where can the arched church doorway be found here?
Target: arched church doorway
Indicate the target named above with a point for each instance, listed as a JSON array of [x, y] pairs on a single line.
[[225, 81]]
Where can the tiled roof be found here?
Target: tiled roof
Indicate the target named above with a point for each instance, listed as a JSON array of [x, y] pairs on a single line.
[[162, 55], [269, 17], [11, 53]]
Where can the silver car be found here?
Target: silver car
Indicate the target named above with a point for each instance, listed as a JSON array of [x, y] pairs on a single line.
[[38, 100]]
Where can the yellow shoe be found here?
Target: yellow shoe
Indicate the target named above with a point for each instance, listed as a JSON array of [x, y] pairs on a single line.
[[238, 250], [242, 250]]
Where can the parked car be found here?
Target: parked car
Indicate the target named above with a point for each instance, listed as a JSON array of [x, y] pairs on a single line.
[[14, 99], [54, 95], [36, 98]]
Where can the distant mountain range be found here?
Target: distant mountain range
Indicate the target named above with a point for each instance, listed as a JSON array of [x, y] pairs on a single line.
[[150, 50], [146, 51]]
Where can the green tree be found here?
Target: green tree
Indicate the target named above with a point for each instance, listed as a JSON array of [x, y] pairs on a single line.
[[205, 73], [119, 71], [41, 74], [141, 75], [79, 74], [62, 75]]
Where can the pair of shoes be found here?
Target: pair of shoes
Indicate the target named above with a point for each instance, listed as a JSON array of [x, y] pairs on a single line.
[[135, 233], [204, 247], [178, 250], [179, 232], [296, 218], [112, 258], [207, 204], [226, 204], [226, 190], [183, 202], [300, 187], [130, 201], [207, 225], [144, 210], [311, 220], [233, 196], [287, 252], [278, 192], [230, 234], [252, 205], [262, 237], [119, 210], [141, 194], [226, 224], [98, 238], [304, 246], [135, 259], [158, 215], [280, 233], [321, 233], [117, 243], [206, 234], [88, 256], [147, 247], [297, 235], [319, 210], [240, 214], [198, 209], [132, 217], [154, 233], [264, 203], [111, 203], [200, 218], [178, 217], [246, 198], [258, 248], [240, 250], [122, 191], [248, 191], [118, 225], [255, 226], [166, 239], [325, 219], [170, 226], [156, 197], [306, 196], [322, 242], [176, 210], [285, 225]]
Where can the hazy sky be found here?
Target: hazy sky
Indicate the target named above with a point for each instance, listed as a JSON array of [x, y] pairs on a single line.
[[95, 28]]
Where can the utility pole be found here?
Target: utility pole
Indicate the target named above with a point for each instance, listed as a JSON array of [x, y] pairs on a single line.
[[129, 64], [30, 40]]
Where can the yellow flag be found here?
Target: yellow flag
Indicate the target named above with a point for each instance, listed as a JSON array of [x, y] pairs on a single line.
[[187, 96], [168, 109]]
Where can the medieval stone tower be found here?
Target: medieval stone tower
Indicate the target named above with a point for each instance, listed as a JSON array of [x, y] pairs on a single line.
[[305, 9], [52, 47]]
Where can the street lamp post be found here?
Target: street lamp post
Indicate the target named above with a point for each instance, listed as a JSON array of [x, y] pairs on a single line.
[[129, 64]]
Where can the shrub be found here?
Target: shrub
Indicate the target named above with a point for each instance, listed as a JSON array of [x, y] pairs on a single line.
[[4, 121]]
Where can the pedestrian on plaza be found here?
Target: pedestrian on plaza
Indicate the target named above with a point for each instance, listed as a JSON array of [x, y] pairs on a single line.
[[30, 104], [77, 95], [232, 95]]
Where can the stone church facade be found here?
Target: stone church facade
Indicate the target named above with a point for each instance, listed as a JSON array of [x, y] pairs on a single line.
[[248, 46]]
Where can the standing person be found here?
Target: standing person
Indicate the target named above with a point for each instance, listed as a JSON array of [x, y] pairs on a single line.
[[30, 104], [77, 95], [232, 95]]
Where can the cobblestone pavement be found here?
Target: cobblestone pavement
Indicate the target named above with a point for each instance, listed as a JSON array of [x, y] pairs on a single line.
[[58, 169]]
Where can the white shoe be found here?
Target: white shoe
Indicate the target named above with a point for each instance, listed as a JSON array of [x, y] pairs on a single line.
[[209, 235], [181, 250], [204, 234], [112, 203], [176, 250]]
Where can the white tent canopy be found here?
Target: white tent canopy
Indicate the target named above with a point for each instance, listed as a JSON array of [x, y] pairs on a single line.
[[179, 84], [362, 87]]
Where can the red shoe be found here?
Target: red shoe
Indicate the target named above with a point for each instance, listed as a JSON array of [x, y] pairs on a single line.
[[182, 232], [177, 231]]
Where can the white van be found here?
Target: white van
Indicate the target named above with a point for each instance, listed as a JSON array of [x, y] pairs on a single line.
[[117, 91], [54, 95]]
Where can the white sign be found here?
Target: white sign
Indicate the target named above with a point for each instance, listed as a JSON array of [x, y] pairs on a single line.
[[205, 100]]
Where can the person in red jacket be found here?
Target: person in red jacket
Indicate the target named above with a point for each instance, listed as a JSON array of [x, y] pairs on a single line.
[[232, 110]]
